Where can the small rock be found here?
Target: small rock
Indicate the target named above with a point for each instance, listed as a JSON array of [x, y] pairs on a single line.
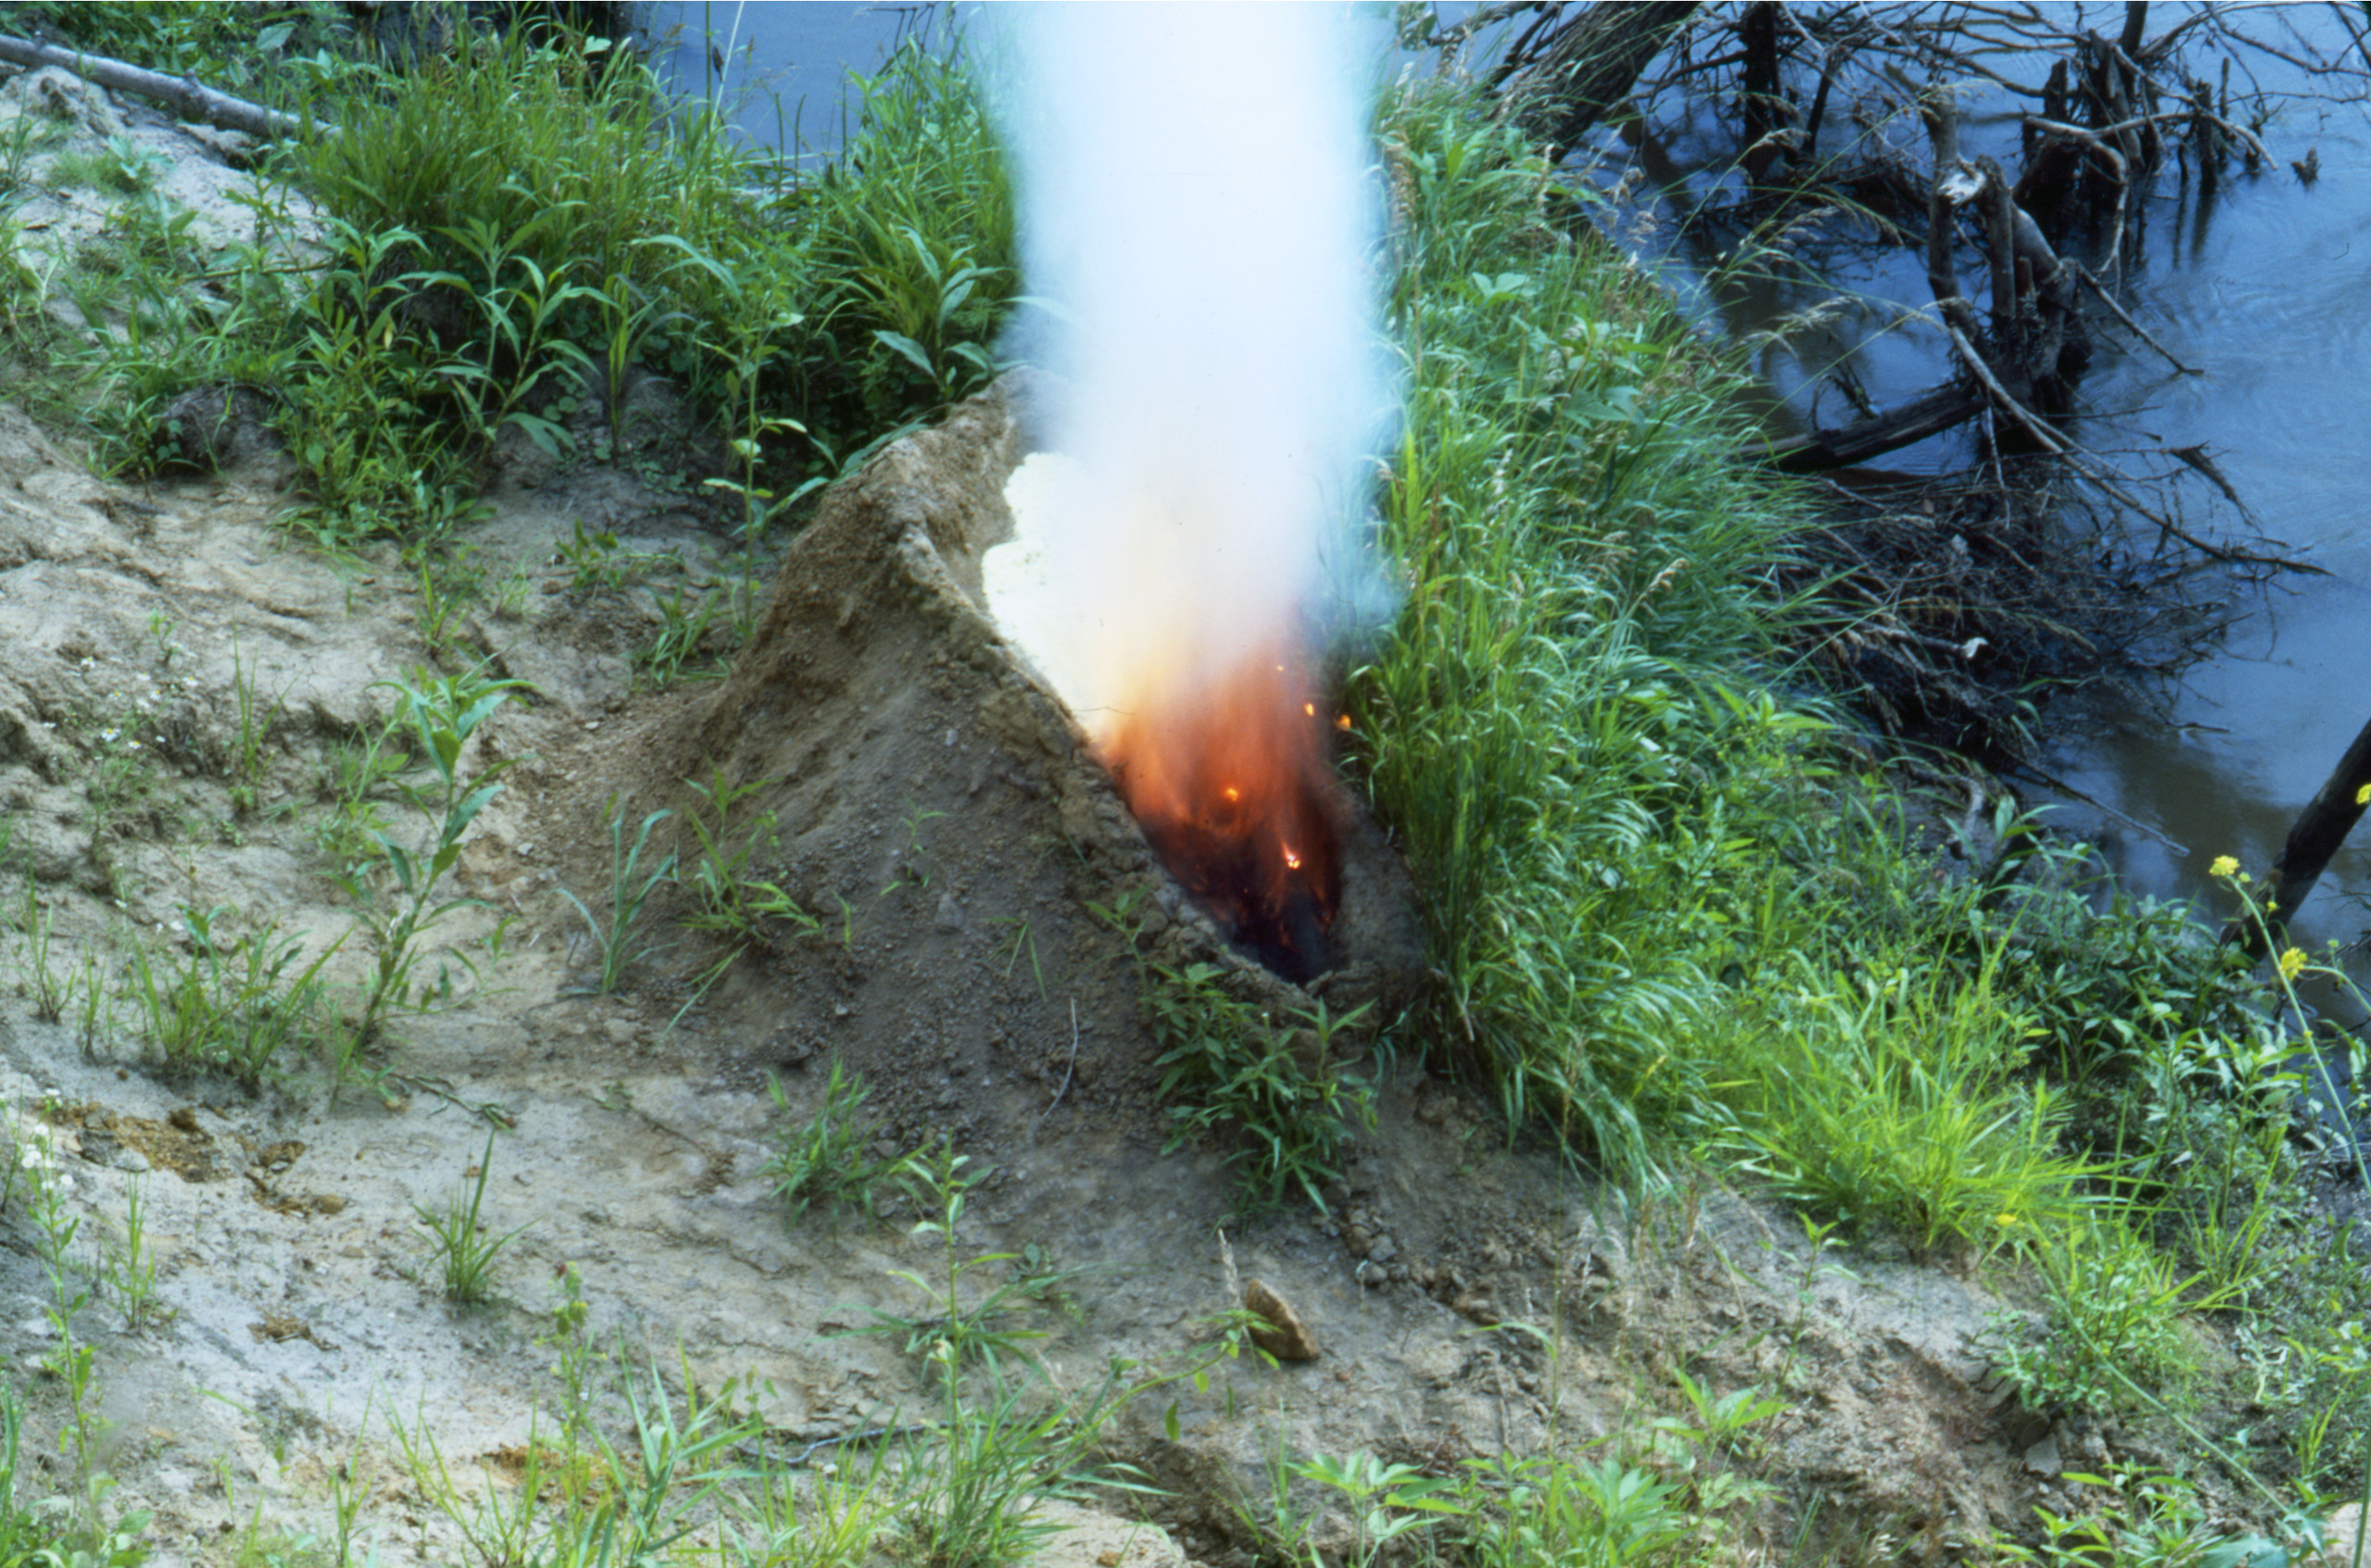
[[1475, 1307], [2042, 1458], [950, 913], [1383, 1250], [131, 1159], [1285, 1337], [1358, 1238]]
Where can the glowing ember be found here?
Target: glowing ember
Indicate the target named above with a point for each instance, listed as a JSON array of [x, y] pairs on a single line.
[[1221, 755], [1258, 852]]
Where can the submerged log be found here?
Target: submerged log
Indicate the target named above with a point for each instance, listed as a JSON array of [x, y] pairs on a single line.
[[1931, 413], [2316, 836]]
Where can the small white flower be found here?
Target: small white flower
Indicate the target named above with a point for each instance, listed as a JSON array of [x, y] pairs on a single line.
[[106, 735]]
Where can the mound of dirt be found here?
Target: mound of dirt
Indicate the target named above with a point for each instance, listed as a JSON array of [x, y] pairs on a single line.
[[976, 876]]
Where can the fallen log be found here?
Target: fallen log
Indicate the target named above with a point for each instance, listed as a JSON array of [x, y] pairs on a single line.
[[1930, 413], [185, 95]]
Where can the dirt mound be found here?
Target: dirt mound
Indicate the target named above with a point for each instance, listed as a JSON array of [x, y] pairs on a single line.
[[976, 877]]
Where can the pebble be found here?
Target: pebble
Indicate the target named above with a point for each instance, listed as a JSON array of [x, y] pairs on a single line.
[[950, 913]]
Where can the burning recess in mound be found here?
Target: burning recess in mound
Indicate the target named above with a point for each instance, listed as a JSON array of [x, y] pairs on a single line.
[[1227, 771]]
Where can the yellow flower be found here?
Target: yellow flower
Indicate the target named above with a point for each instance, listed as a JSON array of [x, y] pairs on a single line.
[[2004, 1221], [2225, 865], [2291, 961]]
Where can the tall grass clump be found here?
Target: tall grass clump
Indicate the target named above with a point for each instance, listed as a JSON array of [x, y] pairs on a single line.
[[811, 315], [512, 232], [1566, 728], [570, 154], [1664, 913]]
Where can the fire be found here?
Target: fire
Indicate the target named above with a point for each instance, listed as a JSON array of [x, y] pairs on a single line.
[[1231, 784]]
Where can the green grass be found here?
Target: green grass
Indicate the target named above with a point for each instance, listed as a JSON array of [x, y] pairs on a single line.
[[827, 1158], [1566, 726], [460, 1245]]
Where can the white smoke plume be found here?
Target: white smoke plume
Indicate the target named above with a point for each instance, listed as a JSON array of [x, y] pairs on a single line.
[[1198, 215]]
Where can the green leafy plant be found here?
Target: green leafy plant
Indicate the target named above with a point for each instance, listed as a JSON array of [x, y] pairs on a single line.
[[1025, 942], [126, 1271], [459, 1245], [913, 863], [50, 988], [1226, 1065], [2113, 1320], [232, 1004], [1004, 1435], [732, 901], [684, 621], [1901, 1102], [1386, 1501], [616, 939], [72, 1359], [353, 772], [257, 717], [2145, 1520], [400, 893], [977, 1304], [828, 1158], [598, 563], [1551, 1509]]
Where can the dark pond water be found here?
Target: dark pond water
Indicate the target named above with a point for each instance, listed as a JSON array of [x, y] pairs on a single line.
[[780, 68]]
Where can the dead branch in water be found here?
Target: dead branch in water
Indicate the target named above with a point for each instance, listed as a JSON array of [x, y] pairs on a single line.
[[2318, 834]]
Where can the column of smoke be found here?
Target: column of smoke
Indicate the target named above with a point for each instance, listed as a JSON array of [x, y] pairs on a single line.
[[1198, 217]]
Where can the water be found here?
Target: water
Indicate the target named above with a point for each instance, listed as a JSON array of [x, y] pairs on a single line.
[[780, 70], [2270, 296], [2267, 290]]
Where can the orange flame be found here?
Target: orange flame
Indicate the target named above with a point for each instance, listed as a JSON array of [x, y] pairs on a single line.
[[1231, 782]]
